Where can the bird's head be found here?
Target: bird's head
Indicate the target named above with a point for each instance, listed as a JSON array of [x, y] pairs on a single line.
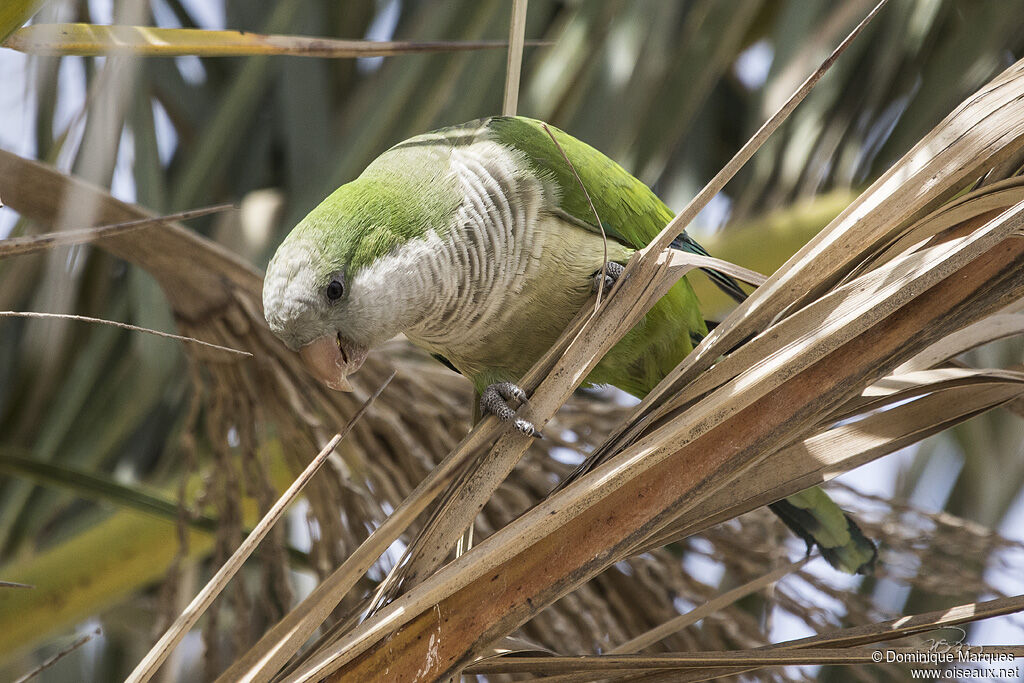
[[344, 280], [308, 299]]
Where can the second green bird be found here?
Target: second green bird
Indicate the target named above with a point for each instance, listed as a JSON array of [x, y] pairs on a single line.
[[478, 243]]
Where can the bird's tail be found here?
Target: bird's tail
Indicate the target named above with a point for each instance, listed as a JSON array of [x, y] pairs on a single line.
[[815, 518], [810, 514], [724, 282]]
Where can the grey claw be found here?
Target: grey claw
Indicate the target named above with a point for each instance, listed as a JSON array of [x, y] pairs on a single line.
[[494, 400], [526, 427], [515, 392], [612, 272]]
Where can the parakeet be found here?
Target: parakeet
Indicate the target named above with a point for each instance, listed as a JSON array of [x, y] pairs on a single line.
[[479, 244]]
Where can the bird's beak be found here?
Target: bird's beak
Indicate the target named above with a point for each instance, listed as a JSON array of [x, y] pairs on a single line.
[[331, 359]]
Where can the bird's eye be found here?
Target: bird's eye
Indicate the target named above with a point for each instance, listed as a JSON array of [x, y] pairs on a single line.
[[335, 289]]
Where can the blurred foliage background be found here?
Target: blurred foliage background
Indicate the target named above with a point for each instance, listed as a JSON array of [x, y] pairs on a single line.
[[94, 420]]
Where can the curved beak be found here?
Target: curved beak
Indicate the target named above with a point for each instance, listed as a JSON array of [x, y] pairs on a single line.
[[331, 359]]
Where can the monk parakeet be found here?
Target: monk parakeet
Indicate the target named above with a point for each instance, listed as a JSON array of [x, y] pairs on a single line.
[[478, 243]]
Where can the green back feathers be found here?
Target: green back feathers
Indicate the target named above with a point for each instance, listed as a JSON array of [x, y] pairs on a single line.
[[630, 212], [403, 194]]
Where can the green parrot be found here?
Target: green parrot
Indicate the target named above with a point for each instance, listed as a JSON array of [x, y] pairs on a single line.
[[478, 243]]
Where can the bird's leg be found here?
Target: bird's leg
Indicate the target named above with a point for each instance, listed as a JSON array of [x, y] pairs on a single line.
[[494, 401], [612, 271]]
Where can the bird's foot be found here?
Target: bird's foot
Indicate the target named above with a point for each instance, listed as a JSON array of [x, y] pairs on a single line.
[[494, 400], [612, 272]]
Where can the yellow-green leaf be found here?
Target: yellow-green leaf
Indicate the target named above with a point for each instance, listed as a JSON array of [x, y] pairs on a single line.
[[14, 13], [93, 39]]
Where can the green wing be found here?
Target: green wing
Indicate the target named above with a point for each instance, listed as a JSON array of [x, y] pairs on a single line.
[[629, 210]]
